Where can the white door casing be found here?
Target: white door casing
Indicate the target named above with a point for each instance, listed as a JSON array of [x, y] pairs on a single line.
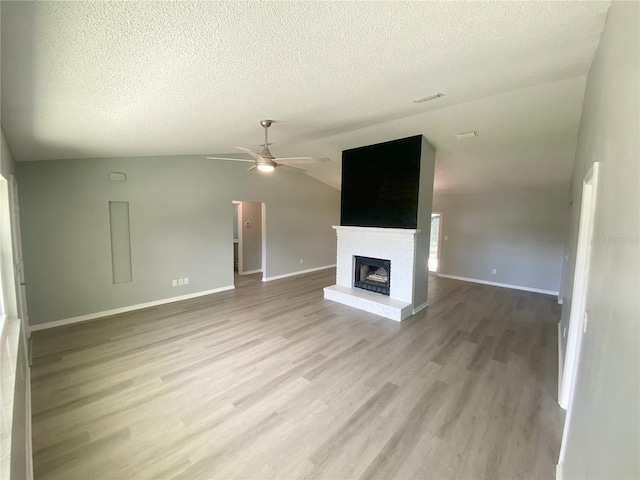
[[578, 316], [18, 262]]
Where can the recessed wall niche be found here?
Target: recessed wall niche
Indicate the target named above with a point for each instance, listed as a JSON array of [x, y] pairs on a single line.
[[120, 242]]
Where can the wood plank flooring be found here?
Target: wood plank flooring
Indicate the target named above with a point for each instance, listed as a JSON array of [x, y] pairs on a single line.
[[272, 381]]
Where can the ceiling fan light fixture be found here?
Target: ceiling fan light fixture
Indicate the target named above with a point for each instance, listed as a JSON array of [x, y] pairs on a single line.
[[266, 168]]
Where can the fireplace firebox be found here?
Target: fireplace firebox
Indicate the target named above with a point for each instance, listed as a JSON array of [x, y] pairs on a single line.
[[372, 274]]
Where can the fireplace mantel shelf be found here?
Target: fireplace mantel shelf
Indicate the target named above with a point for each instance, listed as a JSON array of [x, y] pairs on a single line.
[[407, 231]]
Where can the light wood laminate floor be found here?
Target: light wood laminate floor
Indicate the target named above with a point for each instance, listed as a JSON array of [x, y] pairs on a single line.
[[272, 381]]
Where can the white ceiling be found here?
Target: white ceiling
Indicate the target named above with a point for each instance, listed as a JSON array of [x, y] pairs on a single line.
[[113, 79]]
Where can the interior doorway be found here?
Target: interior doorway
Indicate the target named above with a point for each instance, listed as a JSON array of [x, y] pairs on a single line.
[[434, 246], [248, 242]]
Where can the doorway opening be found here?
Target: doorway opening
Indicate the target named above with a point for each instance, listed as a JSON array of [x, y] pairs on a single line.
[[248, 242], [434, 246]]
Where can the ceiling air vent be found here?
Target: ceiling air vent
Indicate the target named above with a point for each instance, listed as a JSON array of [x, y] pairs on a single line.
[[433, 96], [463, 135]]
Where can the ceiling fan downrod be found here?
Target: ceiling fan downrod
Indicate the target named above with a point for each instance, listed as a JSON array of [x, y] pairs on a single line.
[[266, 153]]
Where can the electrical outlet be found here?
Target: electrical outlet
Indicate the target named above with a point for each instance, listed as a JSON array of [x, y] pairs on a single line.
[[180, 281], [494, 271], [174, 283], [186, 280], [301, 261]]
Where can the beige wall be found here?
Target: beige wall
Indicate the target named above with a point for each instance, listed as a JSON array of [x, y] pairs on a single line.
[[603, 439]]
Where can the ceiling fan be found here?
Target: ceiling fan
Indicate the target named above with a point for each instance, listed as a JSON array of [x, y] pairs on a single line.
[[265, 161]]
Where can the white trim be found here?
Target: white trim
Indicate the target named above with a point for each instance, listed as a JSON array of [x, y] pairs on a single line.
[[263, 240], [496, 284], [579, 300], [240, 239], [299, 272], [560, 300], [439, 243], [560, 360], [250, 272], [559, 473], [28, 429], [580, 287], [130, 308], [421, 307]]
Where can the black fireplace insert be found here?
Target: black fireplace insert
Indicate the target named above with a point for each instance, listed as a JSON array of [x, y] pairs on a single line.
[[372, 274]]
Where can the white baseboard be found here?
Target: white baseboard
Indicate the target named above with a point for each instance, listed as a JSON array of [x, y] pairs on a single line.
[[299, 272], [130, 308], [560, 361], [28, 428], [496, 284], [421, 307], [250, 272]]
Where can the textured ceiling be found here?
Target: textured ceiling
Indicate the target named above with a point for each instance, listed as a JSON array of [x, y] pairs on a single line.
[[104, 79]]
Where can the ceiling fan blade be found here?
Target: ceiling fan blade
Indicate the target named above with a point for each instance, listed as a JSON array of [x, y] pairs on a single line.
[[291, 169], [252, 168], [295, 160], [231, 159], [253, 154]]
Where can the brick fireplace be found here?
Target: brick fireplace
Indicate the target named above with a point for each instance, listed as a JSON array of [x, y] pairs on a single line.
[[374, 203], [395, 244]]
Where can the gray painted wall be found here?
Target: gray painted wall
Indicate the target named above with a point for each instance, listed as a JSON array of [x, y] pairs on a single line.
[[7, 164], [251, 236], [235, 220], [603, 438], [181, 226], [425, 199], [520, 234]]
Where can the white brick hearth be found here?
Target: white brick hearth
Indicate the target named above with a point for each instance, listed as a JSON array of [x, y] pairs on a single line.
[[394, 244]]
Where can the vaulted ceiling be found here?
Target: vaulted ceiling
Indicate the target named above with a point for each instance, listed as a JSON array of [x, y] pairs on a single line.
[[115, 79]]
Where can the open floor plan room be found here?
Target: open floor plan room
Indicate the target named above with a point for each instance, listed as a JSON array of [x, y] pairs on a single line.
[[273, 381], [322, 240]]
